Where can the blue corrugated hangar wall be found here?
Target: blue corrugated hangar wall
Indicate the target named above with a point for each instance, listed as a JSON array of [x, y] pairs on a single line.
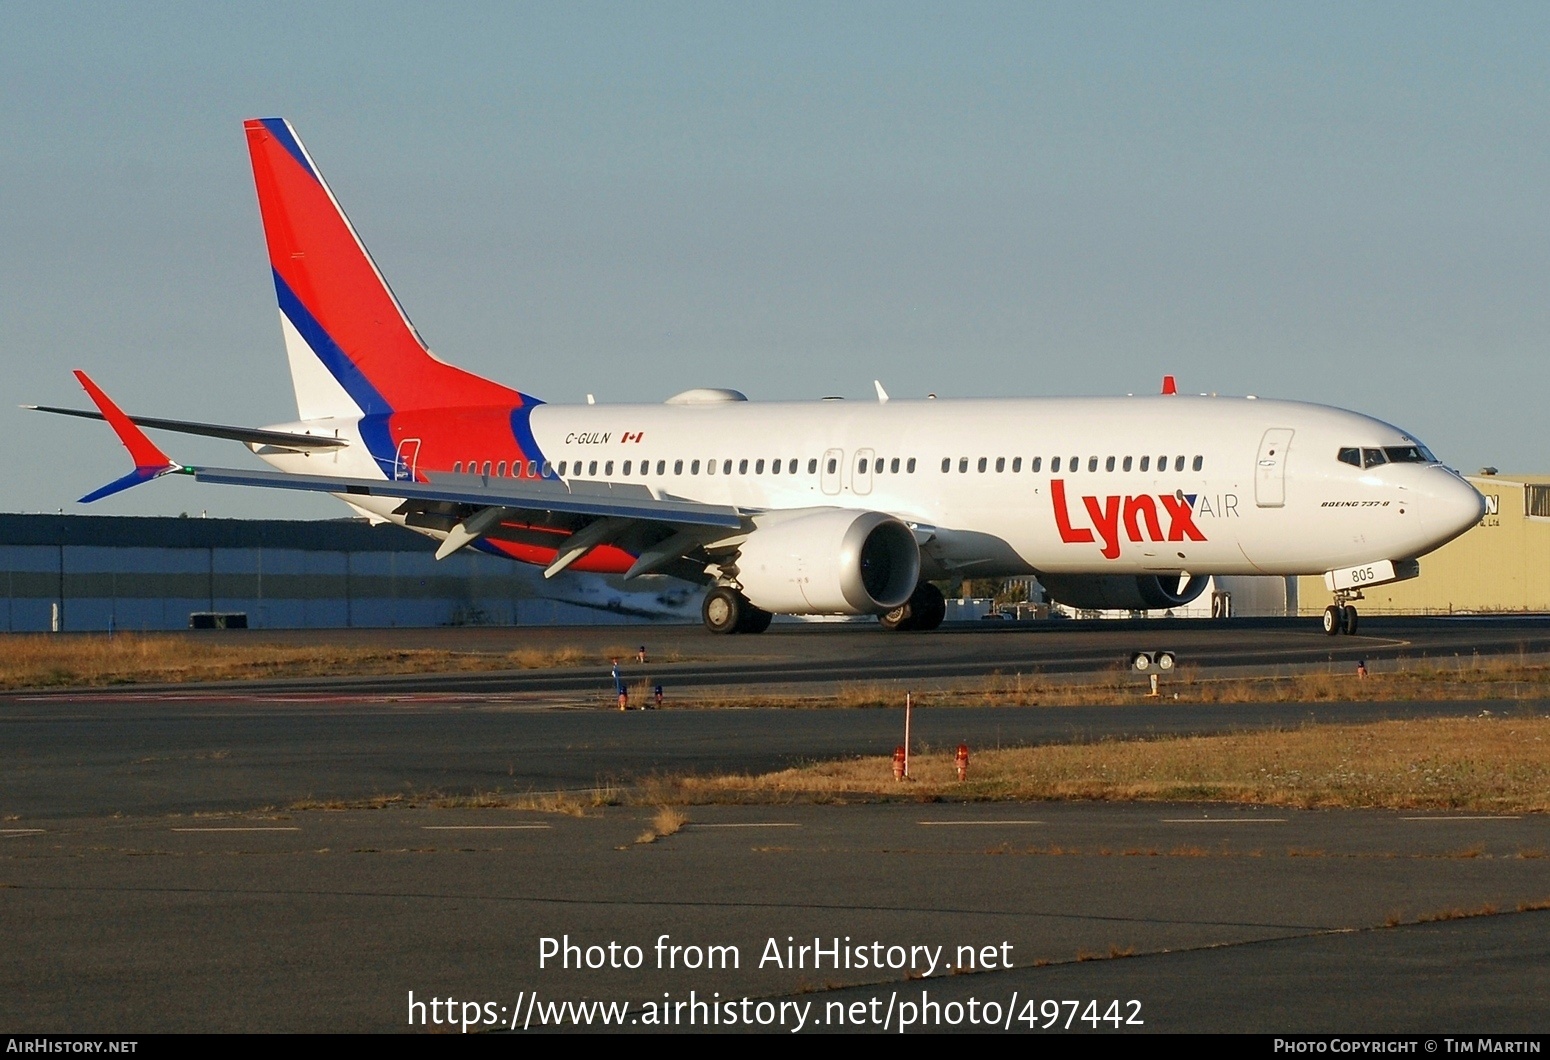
[[151, 573]]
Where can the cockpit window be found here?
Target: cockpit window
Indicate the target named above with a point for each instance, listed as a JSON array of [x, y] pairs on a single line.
[[1389, 454]]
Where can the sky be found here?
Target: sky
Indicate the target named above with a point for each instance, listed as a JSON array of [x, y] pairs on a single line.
[[1342, 203]]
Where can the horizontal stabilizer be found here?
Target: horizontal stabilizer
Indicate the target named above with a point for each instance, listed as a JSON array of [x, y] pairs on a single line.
[[247, 435]]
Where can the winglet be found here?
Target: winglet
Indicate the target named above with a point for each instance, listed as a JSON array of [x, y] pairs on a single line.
[[150, 462]]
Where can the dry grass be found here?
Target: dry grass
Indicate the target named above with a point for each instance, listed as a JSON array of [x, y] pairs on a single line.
[[49, 661], [533, 659], [570, 803], [573, 803], [1506, 678], [1497, 764], [1496, 677], [1456, 914], [668, 821], [46, 661], [375, 802]]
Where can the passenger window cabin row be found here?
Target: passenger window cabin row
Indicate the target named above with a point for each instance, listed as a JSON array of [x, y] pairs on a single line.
[[1074, 465], [628, 468], [864, 465], [518, 468]]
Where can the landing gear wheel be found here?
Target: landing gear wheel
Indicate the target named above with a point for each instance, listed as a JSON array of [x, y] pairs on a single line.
[[924, 610], [724, 610], [1332, 620], [754, 620], [1348, 621], [927, 606]]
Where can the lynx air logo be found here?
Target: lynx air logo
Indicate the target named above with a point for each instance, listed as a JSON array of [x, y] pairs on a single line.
[[1139, 516]]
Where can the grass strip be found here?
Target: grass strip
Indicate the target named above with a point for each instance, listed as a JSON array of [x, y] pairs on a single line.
[[45, 661], [1481, 765]]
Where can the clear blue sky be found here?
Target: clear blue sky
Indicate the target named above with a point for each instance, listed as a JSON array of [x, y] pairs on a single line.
[[1341, 202]]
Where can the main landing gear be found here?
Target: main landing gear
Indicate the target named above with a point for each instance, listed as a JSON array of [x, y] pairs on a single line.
[[1340, 617], [924, 610], [728, 611]]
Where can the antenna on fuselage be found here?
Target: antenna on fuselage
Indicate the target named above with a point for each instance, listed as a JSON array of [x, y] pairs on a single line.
[[1169, 386], [882, 395]]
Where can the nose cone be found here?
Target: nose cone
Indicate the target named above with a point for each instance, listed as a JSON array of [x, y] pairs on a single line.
[[1451, 507]]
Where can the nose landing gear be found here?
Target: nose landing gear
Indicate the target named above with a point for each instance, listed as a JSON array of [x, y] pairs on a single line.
[[1340, 616]]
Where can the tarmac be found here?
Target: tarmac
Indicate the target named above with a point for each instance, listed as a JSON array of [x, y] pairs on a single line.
[[168, 862]]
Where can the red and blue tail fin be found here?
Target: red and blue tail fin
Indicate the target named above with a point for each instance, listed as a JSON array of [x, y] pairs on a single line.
[[351, 347]]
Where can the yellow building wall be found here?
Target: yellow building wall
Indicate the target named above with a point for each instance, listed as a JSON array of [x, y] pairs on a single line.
[[1502, 564]]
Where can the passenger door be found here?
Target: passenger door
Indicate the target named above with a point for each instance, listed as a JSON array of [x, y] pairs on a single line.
[[832, 469], [1270, 468], [861, 481], [404, 463]]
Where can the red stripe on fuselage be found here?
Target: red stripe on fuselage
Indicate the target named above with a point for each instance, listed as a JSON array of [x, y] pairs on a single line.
[[469, 436], [604, 559]]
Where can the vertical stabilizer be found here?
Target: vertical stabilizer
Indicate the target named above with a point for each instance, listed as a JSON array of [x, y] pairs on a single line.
[[352, 349]]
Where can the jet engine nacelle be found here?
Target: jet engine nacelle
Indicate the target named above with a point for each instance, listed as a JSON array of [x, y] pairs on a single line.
[[1122, 592], [828, 561]]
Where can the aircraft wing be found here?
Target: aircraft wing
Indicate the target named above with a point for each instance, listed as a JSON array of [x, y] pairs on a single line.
[[663, 532], [615, 500]]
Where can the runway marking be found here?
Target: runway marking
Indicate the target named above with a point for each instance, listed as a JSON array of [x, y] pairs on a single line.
[[943, 824], [265, 829], [483, 827], [17, 833], [749, 824], [1504, 818], [1224, 820]]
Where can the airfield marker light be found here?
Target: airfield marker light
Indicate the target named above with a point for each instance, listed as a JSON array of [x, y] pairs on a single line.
[[962, 761], [658, 693], [898, 763]]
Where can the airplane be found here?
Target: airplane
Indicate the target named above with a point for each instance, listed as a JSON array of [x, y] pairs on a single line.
[[826, 507]]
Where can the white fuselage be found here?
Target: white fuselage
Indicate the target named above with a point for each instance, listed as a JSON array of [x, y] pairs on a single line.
[[1165, 484]]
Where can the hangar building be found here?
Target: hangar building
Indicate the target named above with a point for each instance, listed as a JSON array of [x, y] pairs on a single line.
[[127, 573]]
